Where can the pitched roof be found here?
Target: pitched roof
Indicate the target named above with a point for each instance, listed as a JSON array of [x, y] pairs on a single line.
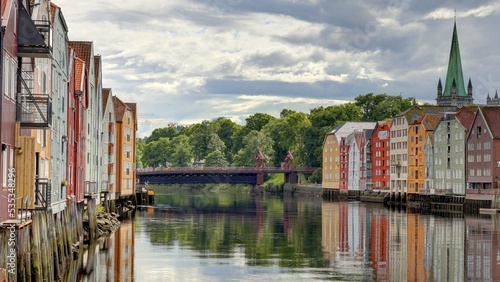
[[120, 108], [416, 112], [454, 76], [465, 116], [83, 50], [348, 127], [106, 92], [79, 71], [97, 64], [492, 117], [133, 108], [431, 121]]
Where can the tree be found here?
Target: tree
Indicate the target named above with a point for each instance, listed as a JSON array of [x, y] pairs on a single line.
[[158, 133], [200, 138], [227, 128], [382, 106], [139, 151], [155, 153], [254, 142], [258, 121], [182, 155], [216, 159], [293, 134], [273, 130]]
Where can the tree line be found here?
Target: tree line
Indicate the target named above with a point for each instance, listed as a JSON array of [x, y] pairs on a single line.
[[221, 142]]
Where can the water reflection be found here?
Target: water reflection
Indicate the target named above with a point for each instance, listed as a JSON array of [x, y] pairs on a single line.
[[234, 237]]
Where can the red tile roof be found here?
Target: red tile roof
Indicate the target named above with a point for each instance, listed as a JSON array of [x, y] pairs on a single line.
[[120, 108], [83, 50], [492, 117], [79, 71], [97, 63], [106, 92], [431, 121], [465, 116]]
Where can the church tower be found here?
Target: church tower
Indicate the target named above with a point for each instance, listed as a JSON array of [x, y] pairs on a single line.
[[454, 92]]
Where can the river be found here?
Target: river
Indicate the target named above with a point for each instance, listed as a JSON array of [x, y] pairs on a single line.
[[204, 236]]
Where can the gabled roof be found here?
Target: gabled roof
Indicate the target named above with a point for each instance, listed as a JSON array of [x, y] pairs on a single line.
[[454, 76], [79, 71], [431, 121], [348, 127], [430, 137], [492, 118], [465, 116], [416, 112], [97, 64], [120, 109], [83, 50], [133, 108], [106, 93]]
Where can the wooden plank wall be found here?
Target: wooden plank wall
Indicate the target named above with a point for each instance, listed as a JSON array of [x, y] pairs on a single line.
[[25, 170]]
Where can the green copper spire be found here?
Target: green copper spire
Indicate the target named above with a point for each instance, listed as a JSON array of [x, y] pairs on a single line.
[[455, 73]]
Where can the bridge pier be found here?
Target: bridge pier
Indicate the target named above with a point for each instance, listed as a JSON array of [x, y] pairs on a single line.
[[291, 177], [260, 179]]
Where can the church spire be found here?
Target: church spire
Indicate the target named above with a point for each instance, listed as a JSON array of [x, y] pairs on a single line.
[[454, 73]]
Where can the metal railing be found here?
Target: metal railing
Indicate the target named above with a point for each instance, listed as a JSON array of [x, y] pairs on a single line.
[[90, 188], [43, 191], [32, 110]]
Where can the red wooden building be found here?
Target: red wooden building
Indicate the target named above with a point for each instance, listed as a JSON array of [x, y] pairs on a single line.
[[381, 138]]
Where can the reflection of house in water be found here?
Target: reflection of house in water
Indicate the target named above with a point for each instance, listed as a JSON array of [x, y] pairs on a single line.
[[482, 249], [330, 229], [397, 247], [416, 240], [124, 252], [378, 240], [119, 254], [448, 244]]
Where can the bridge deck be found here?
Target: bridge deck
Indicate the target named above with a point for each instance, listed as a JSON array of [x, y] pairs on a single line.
[[249, 175]]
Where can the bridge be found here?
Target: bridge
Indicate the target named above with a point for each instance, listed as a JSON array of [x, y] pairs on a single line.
[[231, 175]]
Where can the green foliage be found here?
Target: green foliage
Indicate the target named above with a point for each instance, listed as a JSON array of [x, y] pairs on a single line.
[[139, 151], [216, 159], [155, 153], [255, 141], [227, 129], [382, 106], [316, 177], [182, 152], [204, 139], [302, 134], [276, 178], [258, 121], [168, 132]]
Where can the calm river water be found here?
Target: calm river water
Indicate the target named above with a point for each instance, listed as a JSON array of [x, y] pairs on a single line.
[[203, 236]]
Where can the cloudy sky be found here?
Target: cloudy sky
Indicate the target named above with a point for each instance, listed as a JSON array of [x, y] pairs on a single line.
[[185, 61]]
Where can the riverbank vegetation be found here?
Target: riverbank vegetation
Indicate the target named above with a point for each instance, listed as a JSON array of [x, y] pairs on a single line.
[[223, 143]]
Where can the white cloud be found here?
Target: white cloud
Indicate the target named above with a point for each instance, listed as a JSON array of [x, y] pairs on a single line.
[[165, 54]]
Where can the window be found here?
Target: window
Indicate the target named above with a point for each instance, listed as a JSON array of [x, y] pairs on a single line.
[[487, 145], [478, 146], [478, 132]]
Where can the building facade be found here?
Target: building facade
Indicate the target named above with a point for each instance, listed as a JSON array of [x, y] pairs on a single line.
[[380, 144]]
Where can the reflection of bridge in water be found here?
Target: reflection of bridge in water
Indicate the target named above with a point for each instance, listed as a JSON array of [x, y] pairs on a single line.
[[230, 175]]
